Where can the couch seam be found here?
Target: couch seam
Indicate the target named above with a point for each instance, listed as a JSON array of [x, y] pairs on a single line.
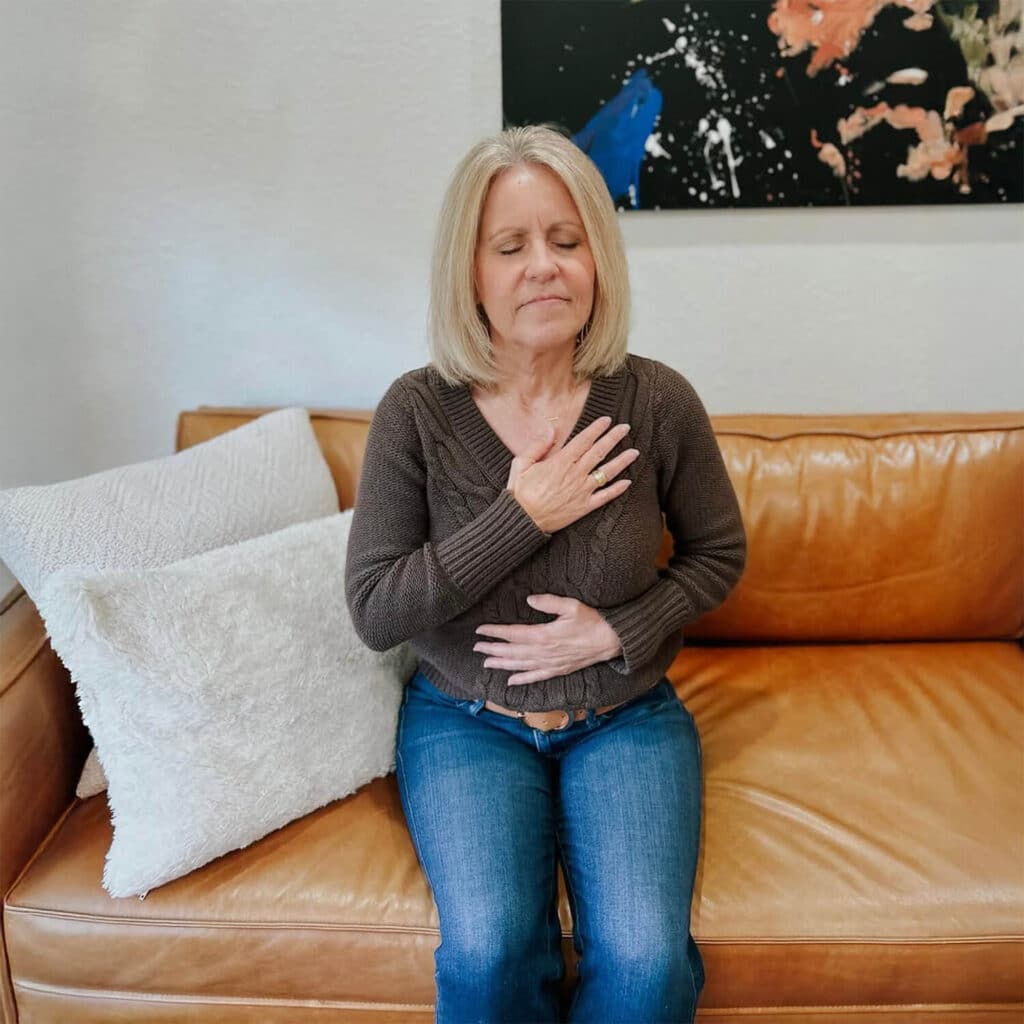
[[160, 997], [857, 1008], [47, 839], [864, 435], [363, 416], [24, 659], [164, 997], [419, 930]]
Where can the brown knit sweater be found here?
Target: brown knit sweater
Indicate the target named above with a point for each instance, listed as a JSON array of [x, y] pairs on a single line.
[[438, 546]]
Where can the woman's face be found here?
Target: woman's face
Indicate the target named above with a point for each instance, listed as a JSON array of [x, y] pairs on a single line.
[[534, 269]]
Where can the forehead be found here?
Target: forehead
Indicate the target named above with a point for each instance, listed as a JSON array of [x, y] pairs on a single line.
[[520, 195]]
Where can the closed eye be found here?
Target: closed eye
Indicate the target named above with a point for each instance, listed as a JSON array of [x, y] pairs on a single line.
[[561, 245]]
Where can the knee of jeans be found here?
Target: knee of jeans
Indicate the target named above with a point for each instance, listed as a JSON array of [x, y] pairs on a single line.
[[659, 957], [486, 947]]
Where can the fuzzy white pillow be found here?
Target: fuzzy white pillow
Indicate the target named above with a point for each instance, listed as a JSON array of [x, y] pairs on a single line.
[[264, 475], [228, 695]]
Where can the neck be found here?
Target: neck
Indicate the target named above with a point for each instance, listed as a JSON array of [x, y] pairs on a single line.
[[532, 379]]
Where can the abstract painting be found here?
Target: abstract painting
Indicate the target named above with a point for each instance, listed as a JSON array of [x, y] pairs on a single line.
[[750, 103]]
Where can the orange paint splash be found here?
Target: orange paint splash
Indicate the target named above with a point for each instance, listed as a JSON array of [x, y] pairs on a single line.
[[833, 28], [942, 150]]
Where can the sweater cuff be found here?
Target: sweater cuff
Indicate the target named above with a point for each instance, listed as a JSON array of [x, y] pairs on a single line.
[[486, 550], [643, 623]]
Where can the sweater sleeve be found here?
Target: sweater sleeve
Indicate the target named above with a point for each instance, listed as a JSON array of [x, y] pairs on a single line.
[[398, 583], [703, 516]]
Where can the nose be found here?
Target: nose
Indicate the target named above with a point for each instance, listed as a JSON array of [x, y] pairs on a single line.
[[541, 263]]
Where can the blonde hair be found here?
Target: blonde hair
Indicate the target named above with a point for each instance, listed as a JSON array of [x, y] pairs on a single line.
[[460, 344]]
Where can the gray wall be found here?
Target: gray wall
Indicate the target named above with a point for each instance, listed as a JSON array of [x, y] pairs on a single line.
[[233, 203]]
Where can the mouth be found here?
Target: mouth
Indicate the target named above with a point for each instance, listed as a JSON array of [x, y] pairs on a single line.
[[545, 300]]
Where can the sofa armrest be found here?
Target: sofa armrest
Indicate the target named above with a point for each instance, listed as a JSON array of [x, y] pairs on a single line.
[[43, 745]]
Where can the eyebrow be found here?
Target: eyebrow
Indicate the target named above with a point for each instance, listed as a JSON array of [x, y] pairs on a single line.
[[520, 231]]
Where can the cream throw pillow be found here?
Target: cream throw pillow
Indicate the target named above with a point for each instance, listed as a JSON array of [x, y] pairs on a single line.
[[228, 695], [256, 478]]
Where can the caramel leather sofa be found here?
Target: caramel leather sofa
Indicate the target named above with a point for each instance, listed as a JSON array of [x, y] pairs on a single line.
[[859, 698]]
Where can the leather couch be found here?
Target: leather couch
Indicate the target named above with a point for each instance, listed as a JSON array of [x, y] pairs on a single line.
[[859, 698]]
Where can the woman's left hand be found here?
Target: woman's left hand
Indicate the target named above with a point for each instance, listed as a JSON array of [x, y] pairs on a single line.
[[577, 637]]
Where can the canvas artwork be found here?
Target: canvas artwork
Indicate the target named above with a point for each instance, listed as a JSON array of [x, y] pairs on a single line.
[[749, 103]]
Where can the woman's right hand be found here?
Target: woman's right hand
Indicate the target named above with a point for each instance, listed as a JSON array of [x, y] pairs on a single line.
[[556, 488]]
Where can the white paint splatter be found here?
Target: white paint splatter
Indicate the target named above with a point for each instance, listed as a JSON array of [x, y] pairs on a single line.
[[654, 147], [769, 142], [721, 135], [701, 70], [659, 56]]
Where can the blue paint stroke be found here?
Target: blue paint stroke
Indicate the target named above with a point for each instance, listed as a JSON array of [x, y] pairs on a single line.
[[614, 137]]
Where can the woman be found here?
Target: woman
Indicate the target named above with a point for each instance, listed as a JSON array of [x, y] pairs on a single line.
[[503, 529]]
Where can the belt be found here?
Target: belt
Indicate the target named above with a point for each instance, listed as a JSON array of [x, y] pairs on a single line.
[[548, 721]]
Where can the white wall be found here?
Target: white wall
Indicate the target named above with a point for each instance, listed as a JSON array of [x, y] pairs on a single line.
[[233, 203]]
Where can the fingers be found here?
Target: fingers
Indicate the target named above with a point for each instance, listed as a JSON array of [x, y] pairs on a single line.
[[510, 657], [600, 448], [531, 677], [618, 464], [605, 494], [511, 634], [552, 604], [574, 448]]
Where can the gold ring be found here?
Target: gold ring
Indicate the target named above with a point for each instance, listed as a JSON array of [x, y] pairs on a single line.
[[599, 477]]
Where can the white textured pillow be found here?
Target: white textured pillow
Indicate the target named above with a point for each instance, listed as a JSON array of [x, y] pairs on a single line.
[[248, 481], [228, 694]]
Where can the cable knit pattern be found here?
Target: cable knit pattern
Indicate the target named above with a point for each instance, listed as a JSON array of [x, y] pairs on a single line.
[[438, 545]]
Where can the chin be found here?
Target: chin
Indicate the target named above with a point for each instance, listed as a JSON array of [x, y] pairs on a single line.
[[549, 341]]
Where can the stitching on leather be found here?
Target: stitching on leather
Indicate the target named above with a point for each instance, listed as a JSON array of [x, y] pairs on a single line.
[[144, 997], [161, 997], [862, 434], [419, 930], [872, 1008]]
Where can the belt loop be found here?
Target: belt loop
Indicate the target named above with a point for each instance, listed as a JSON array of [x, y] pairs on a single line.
[[474, 708]]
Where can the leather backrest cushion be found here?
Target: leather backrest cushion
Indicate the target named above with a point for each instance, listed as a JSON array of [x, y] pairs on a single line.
[[860, 527]]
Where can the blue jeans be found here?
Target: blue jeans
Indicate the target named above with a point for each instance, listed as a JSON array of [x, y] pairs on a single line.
[[491, 802]]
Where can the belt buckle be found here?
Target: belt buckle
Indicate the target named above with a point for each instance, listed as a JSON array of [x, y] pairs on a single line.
[[546, 721]]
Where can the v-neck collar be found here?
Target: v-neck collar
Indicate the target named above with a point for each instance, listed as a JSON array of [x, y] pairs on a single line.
[[479, 436]]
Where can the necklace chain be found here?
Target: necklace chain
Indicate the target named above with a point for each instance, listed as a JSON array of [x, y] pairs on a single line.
[[553, 419]]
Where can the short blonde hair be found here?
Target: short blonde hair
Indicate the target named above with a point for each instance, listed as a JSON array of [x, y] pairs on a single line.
[[460, 344]]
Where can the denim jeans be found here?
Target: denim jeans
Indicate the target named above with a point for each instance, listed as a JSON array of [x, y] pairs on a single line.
[[491, 803]]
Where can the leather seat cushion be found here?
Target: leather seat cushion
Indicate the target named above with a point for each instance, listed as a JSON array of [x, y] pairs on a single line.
[[855, 851]]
